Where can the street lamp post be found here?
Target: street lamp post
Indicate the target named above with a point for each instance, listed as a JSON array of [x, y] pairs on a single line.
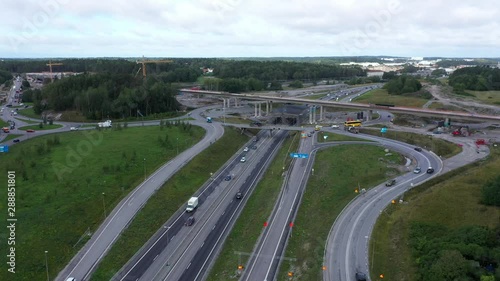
[[104, 205], [177, 144], [47, 265], [144, 169]]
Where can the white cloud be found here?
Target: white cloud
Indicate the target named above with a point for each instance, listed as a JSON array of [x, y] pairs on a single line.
[[199, 28]]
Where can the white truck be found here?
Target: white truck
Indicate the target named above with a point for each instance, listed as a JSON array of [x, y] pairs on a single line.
[[192, 204], [105, 124]]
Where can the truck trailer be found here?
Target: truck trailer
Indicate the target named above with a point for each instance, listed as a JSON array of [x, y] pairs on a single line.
[[192, 204]]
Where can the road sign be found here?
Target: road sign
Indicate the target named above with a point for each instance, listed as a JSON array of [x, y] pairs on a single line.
[[299, 155], [4, 148]]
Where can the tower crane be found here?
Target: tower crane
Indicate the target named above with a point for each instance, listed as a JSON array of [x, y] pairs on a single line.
[[50, 64], [144, 62]]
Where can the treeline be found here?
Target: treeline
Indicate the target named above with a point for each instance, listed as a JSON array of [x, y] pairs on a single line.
[[101, 96], [5, 76], [468, 253], [475, 79], [403, 84]]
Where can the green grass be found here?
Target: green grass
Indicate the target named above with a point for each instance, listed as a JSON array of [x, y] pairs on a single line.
[[247, 229], [233, 120], [28, 112], [441, 147], [489, 97], [59, 191], [451, 200], [337, 173], [45, 127], [382, 96], [3, 123], [11, 137], [169, 198], [28, 121]]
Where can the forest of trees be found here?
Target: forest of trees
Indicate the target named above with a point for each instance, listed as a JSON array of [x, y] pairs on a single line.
[[476, 79], [100, 96], [403, 84], [467, 253], [5, 76]]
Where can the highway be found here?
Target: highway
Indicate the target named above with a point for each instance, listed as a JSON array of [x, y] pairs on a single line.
[[357, 106], [85, 262], [176, 247], [270, 247]]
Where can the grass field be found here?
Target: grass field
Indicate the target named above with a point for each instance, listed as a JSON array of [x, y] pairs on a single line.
[[247, 229], [233, 120], [3, 123], [37, 127], [11, 137], [27, 121], [28, 112], [335, 137], [337, 173], [440, 106], [61, 179], [451, 200], [382, 96], [169, 198], [489, 97]]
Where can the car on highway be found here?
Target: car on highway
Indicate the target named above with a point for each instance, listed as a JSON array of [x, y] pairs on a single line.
[[418, 149], [227, 178], [16, 140], [430, 170], [239, 195], [189, 221], [243, 159], [360, 276], [334, 126], [254, 147], [245, 149], [309, 135], [390, 182], [417, 170], [73, 129], [30, 131]]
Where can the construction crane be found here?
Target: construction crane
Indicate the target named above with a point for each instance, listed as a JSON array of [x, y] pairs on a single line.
[[50, 64], [144, 62]]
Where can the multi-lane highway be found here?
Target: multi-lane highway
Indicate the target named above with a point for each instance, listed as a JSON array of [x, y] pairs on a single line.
[[180, 252]]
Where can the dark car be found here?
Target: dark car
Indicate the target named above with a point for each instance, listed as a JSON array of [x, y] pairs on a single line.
[[189, 221], [239, 195], [16, 140], [227, 178], [390, 182], [430, 170], [254, 147], [30, 131], [360, 276], [418, 149]]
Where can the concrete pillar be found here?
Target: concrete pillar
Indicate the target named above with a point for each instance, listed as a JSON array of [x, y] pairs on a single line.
[[235, 102], [255, 104], [369, 115], [260, 109], [321, 117], [271, 106], [267, 108], [228, 101], [310, 115]]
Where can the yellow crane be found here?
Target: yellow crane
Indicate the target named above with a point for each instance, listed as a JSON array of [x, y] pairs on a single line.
[[144, 62], [50, 64]]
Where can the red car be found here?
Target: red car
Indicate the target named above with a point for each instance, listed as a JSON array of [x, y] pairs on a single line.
[[30, 131]]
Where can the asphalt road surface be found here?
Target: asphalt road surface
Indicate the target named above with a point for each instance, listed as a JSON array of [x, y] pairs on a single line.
[[84, 263], [264, 263]]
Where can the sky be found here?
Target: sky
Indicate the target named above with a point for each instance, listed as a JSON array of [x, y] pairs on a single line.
[[249, 28]]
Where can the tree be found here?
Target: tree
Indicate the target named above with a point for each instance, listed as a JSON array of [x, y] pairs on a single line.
[[296, 84], [26, 84], [275, 86], [451, 266], [491, 192], [389, 75]]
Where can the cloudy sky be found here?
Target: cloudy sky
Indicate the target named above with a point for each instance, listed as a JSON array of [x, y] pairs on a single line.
[[249, 28]]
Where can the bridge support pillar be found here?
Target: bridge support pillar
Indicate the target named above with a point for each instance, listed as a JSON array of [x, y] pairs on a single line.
[[267, 108], [321, 113], [270, 106], [255, 104], [260, 109], [369, 115]]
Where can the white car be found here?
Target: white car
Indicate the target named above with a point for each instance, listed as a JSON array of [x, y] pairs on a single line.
[[335, 126], [417, 170], [243, 159], [246, 149], [73, 129]]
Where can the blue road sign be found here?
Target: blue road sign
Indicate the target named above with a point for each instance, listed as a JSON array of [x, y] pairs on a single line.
[[4, 148], [299, 155]]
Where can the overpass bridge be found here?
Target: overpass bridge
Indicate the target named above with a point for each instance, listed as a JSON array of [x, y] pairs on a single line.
[[356, 106]]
